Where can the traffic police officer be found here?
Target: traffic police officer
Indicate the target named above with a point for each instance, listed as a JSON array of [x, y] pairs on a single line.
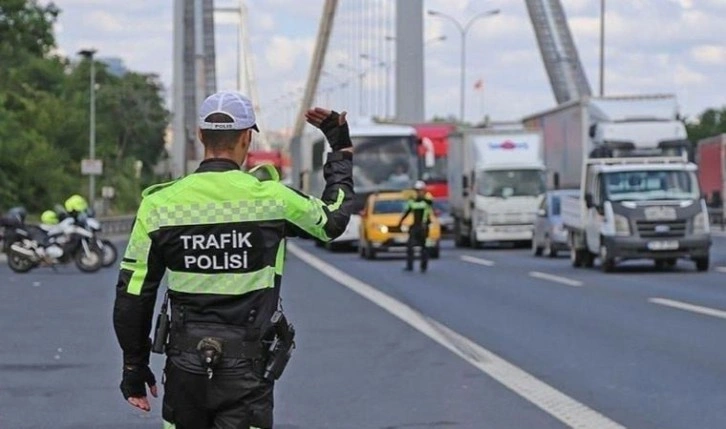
[[421, 206], [219, 233]]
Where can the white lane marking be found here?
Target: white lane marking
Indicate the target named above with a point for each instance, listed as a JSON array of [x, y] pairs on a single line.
[[554, 278], [689, 307], [478, 261], [557, 404], [721, 269]]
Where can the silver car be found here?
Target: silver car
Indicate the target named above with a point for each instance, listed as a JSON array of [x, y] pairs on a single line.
[[549, 235]]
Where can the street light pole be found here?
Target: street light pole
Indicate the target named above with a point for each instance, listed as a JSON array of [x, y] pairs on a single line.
[[88, 54], [602, 48], [463, 31]]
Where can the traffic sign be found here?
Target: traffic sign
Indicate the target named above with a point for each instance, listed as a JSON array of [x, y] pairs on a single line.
[[92, 167]]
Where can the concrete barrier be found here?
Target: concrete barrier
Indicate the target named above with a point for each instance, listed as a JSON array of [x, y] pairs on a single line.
[[115, 226]]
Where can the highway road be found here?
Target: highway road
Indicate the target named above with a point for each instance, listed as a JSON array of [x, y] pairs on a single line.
[[491, 338]]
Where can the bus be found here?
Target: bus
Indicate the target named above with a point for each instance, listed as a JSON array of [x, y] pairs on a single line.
[[385, 159]]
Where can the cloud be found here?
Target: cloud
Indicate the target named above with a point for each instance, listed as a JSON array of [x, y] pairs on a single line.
[[710, 54], [686, 76], [282, 52], [103, 21], [671, 46]]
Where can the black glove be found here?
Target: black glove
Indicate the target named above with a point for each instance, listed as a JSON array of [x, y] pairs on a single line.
[[133, 380], [338, 135]]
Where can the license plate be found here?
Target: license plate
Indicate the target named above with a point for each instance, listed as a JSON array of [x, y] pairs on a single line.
[[663, 245]]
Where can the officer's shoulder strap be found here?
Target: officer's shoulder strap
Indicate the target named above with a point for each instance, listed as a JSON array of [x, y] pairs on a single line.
[[155, 188]]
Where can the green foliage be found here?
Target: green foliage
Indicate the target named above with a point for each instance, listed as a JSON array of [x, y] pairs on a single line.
[[710, 123], [44, 117]]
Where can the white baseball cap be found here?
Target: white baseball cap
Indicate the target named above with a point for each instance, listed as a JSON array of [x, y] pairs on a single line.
[[233, 104]]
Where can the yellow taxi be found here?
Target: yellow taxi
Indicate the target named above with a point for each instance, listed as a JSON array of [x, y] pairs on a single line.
[[379, 231]]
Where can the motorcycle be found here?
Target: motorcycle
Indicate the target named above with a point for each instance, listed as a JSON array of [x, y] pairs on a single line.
[[30, 246], [108, 249]]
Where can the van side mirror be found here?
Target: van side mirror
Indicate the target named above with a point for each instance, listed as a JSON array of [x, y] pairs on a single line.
[[589, 200], [542, 213]]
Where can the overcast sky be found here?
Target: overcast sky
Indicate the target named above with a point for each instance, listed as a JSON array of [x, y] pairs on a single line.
[[653, 46]]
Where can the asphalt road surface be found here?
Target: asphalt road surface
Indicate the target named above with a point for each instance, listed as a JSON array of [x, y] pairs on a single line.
[[492, 338]]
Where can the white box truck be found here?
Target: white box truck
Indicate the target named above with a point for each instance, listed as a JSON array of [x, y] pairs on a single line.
[[496, 184], [639, 196], [638, 125]]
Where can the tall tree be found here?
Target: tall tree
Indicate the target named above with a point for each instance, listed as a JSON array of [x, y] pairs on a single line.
[[710, 123], [44, 121]]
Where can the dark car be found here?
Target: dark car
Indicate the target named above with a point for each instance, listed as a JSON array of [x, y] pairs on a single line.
[[549, 236]]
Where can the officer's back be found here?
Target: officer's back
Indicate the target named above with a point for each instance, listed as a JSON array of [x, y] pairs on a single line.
[[219, 232]]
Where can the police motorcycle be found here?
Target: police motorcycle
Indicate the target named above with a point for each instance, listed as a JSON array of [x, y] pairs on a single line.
[[84, 216], [108, 249], [28, 246]]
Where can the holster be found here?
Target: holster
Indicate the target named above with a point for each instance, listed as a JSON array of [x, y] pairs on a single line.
[[281, 347]]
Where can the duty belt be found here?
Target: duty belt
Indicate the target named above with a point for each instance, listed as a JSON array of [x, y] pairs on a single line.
[[236, 349]]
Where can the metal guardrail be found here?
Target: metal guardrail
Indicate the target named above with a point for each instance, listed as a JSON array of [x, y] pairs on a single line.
[[118, 225]]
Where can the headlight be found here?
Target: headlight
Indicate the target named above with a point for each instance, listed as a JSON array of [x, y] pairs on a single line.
[[700, 224], [622, 226], [558, 229], [381, 228]]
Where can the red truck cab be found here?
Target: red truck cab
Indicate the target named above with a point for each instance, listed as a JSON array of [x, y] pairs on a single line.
[[432, 152], [711, 159], [257, 157]]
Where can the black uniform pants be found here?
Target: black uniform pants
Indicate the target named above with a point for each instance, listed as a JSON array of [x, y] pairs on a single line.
[[239, 401], [417, 237]]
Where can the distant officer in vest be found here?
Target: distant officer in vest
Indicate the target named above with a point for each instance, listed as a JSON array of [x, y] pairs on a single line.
[[219, 236], [421, 207]]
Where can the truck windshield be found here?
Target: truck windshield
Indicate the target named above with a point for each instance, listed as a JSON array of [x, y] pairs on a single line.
[[511, 183], [651, 185]]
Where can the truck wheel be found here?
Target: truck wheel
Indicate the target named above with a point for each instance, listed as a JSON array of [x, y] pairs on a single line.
[[702, 263], [536, 250], [607, 264], [588, 259], [576, 257], [549, 251], [473, 242], [459, 239]]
